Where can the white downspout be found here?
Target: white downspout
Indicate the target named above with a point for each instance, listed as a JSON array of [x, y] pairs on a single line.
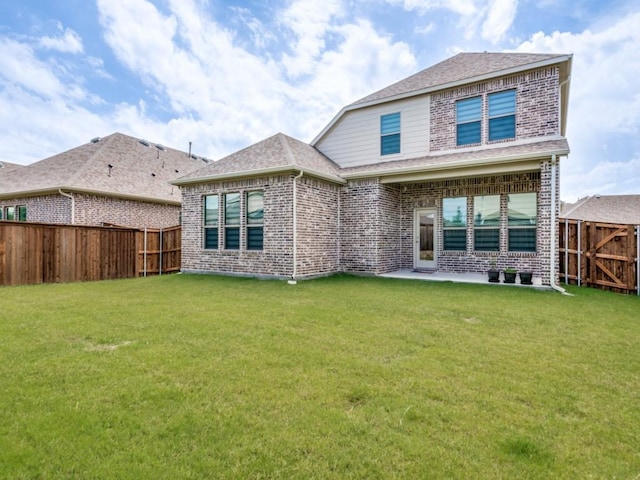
[[553, 240], [295, 228], [73, 205]]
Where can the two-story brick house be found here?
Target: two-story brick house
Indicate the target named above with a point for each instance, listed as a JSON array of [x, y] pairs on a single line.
[[448, 170]]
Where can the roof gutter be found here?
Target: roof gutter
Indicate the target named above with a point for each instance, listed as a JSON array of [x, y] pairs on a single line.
[[259, 172], [436, 88]]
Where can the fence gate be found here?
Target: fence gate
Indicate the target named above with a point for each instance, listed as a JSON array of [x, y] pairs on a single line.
[[600, 255]]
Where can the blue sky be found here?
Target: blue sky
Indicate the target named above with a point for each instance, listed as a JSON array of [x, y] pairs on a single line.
[[226, 74]]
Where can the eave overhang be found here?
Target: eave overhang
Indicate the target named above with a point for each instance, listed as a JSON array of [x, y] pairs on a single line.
[[261, 172]]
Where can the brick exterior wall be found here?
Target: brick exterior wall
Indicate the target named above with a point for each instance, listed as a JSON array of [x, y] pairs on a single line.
[[44, 209], [537, 107], [97, 210], [317, 229]]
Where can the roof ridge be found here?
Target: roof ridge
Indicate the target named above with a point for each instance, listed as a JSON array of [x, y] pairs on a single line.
[[85, 164], [284, 141]]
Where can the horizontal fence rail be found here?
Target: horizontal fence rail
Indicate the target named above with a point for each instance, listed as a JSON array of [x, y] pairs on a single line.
[[600, 255], [32, 253]]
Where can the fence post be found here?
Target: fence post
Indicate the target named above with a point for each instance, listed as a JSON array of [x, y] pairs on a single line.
[[144, 254], [160, 259], [579, 249], [566, 251]]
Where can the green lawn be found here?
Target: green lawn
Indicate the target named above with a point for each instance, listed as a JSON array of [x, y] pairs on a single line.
[[209, 377]]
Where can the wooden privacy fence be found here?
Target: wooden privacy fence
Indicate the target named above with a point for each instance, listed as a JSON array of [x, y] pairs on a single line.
[[47, 253], [601, 255]]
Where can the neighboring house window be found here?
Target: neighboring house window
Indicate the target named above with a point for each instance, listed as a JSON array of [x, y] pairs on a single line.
[[486, 223], [502, 115], [22, 213], [255, 216], [390, 134], [522, 208], [9, 213], [211, 218], [232, 221], [0, 213], [468, 121], [454, 222]]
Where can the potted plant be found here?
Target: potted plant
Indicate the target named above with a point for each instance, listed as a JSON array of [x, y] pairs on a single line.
[[493, 272], [525, 278], [510, 275]]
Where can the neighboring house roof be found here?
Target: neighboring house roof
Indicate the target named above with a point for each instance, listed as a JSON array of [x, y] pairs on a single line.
[[7, 167], [621, 209], [116, 165], [463, 68], [276, 154]]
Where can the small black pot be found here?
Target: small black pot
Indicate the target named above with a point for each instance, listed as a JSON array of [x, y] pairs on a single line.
[[525, 278], [494, 275], [509, 277]]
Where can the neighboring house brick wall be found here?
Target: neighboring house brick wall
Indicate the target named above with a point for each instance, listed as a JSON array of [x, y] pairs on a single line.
[[44, 208], [97, 210], [537, 107]]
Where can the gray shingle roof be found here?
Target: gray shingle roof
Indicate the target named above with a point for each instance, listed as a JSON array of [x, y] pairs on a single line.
[[459, 68], [277, 153], [6, 167], [137, 171], [622, 209]]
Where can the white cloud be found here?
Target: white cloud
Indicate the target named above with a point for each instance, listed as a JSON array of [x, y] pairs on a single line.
[[604, 112], [461, 7], [69, 42], [500, 16]]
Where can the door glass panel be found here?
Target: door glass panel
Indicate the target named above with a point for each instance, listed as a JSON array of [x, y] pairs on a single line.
[[426, 236]]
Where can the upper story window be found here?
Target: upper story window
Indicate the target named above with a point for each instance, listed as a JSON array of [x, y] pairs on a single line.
[[390, 134], [468, 121], [255, 218], [454, 223], [502, 115], [211, 218]]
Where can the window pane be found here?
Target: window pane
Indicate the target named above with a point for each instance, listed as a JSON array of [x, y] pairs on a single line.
[[502, 103], [211, 238], [254, 238], [390, 144], [522, 209], [522, 239], [232, 238], [454, 212], [22, 213], [468, 133], [455, 239], [390, 123], [255, 208], [10, 213], [486, 210], [486, 239], [502, 127], [469, 110], [232, 209], [211, 207]]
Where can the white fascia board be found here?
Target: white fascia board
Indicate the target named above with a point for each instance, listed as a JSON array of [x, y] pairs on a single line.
[[470, 163], [258, 173], [436, 88]]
